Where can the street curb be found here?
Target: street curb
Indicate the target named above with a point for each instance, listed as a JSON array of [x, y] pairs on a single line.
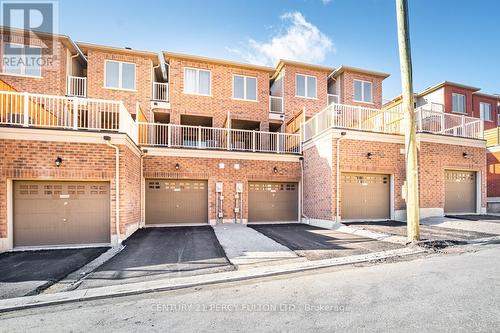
[[27, 302]]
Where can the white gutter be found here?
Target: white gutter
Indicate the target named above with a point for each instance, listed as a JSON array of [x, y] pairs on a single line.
[[337, 191], [117, 187]]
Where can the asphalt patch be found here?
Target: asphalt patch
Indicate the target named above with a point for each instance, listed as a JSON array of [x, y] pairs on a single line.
[[316, 243], [26, 273], [156, 253], [472, 217]]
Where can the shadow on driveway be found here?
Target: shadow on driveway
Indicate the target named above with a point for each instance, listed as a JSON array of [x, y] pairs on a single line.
[[156, 253], [426, 232], [30, 272], [475, 217], [317, 243]]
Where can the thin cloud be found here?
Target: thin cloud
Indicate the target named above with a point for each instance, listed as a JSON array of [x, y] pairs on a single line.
[[300, 41]]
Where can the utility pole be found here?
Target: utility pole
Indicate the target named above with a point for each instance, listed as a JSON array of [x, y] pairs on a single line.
[[412, 204]]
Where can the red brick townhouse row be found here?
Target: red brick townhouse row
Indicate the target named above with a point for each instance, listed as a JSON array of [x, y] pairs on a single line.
[[98, 141]]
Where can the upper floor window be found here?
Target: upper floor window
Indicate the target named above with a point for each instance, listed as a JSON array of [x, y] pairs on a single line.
[[458, 103], [119, 75], [363, 91], [305, 86], [245, 87], [197, 81], [485, 111], [21, 59]]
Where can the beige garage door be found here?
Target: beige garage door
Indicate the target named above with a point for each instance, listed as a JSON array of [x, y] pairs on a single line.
[[365, 196], [460, 191], [271, 202], [61, 213], [176, 201]]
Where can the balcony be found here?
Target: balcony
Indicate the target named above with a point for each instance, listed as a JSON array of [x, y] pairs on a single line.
[[391, 121], [199, 137], [160, 92], [76, 86], [47, 111]]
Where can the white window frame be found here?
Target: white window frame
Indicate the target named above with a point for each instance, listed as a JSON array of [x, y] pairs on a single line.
[[481, 113], [197, 83], [245, 77], [23, 68], [120, 73], [362, 91], [465, 103], [306, 89]]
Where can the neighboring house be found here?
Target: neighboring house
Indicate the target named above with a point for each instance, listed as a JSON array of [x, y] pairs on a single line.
[[111, 139]]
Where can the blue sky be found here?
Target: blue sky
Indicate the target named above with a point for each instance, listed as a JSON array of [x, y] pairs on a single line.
[[451, 39]]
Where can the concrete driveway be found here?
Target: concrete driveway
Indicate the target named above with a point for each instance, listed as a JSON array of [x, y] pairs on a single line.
[[317, 243], [427, 232], [156, 253], [30, 272]]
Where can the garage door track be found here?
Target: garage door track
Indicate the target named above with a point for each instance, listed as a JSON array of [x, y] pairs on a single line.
[[30, 272], [157, 253]]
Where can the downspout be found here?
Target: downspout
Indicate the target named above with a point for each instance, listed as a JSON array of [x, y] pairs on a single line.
[[117, 186], [337, 191]]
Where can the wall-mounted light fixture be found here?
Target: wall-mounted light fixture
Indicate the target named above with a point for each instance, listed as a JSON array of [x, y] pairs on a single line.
[[275, 170], [177, 166], [465, 155], [369, 155], [58, 161]]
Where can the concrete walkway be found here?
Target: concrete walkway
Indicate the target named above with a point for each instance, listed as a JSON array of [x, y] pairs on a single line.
[[483, 226], [246, 248]]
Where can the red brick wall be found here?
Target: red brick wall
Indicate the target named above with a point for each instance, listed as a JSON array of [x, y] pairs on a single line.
[[476, 100], [347, 89], [221, 100], [163, 167], [435, 158], [143, 80], [493, 161], [53, 80], [34, 160], [295, 104]]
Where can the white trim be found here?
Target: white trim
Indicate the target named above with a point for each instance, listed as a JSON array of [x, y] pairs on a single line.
[[20, 75], [362, 91], [67, 136], [120, 75], [451, 140], [306, 89], [195, 153], [245, 77], [197, 83]]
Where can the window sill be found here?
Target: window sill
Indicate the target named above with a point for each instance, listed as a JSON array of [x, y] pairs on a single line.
[[364, 102], [21, 75], [244, 100], [120, 89], [460, 113], [304, 97], [196, 94]]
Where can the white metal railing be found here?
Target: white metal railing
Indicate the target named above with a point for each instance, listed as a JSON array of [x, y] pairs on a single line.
[[391, 121], [353, 117], [333, 99], [276, 104], [449, 124], [160, 91], [48, 111], [76, 86], [184, 136]]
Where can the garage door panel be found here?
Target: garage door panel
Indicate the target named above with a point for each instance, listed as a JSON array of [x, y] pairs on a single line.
[[176, 201], [365, 196], [61, 213], [271, 201], [460, 191]]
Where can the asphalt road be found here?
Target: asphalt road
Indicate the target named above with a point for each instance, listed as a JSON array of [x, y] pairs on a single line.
[[452, 293]]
